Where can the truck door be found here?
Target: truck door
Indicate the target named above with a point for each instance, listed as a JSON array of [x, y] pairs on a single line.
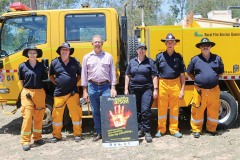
[[77, 27], [17, 33]]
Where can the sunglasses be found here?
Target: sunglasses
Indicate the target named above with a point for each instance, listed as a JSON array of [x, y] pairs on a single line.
[[205, 45], [142, 49]]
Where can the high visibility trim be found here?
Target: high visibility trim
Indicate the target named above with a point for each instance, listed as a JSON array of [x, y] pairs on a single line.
[[37, 130], [57, 124], [197, 121], [26, 133], [213, 120], [77, 123], [174, 117], [162, 117], [230, 77], [8, 71]]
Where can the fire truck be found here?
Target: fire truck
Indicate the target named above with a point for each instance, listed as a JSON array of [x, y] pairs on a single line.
[[47, 29]]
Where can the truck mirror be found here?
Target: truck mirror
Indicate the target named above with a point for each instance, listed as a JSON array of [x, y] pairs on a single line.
[[3, 54], [137, 33]]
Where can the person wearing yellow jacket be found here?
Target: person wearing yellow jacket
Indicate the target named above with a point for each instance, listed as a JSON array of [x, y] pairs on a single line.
[[171, 70], [205, 69], [31, 73], [64, 73]]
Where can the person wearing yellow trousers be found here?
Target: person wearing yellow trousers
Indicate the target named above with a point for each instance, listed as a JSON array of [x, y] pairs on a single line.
[[31, 73], [205, 69], [64, 73], [171, 70]]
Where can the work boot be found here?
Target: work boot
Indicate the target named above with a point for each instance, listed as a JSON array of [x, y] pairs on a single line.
[[148, 137], [196, 134], [140, 133], [158, 134], [26, 147], [77, 139], [54, 140], [98, 137], [39, 142], [177, 135]]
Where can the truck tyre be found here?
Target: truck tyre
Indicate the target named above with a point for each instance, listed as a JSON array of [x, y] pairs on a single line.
[[228, 111], [132, 46], [47, 120]]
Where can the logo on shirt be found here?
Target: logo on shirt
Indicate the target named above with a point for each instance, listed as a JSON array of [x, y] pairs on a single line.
[[235, 68]]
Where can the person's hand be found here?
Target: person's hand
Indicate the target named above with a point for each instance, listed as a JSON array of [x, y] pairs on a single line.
[[113, 92], [126, 92], [181, 94], [155, 93], [85, 96], [118, 116]]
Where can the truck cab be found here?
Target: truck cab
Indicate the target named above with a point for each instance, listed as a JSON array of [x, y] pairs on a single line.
[[48, 29], [226, 35]]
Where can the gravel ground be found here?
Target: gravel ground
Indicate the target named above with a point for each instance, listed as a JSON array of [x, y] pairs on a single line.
[[224, 146]]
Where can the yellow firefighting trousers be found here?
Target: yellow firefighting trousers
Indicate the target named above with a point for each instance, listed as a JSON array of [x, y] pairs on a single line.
[[169, 90], [32, 115], [210, 99], [75, 113]]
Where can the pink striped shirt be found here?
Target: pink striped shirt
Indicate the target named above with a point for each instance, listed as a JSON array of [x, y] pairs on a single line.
[[98, 68]]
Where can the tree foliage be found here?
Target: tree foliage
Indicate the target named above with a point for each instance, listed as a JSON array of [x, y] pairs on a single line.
[[4, 7], [56, 4], [41, 4], [153, 14], [202, 7], [177, 8], [151, 9]]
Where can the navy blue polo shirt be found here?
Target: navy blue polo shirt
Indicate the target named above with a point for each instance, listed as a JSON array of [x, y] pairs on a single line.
[[65, 75], [141, 73], [32, 77], [170, 67], [206, 71]]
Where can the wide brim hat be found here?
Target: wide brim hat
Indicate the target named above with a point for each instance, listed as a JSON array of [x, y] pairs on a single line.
[[65, 45], [205, 41], [142, 45], [170, 37], [39, 51]]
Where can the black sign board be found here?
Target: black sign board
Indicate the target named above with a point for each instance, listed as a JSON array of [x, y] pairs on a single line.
[[119, 121]]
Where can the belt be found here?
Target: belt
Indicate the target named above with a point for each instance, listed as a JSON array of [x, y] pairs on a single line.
[[99, 83]]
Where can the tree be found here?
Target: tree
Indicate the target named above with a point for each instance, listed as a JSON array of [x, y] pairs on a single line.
[[151, 9], [6, 3], [42, 4], [178, 7], [202, 7], [56, 4]]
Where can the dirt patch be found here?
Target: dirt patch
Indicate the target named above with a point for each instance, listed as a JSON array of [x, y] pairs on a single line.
[[224, 146]]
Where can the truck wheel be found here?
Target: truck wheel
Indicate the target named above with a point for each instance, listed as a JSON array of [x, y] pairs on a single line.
[[228, 111], [47, 120], [132, 46]]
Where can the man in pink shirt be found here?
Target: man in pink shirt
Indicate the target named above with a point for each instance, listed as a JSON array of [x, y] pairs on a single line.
[[98, 78]]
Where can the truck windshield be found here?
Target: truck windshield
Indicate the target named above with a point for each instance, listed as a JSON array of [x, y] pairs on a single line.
[[81, 27], [20, 32]]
